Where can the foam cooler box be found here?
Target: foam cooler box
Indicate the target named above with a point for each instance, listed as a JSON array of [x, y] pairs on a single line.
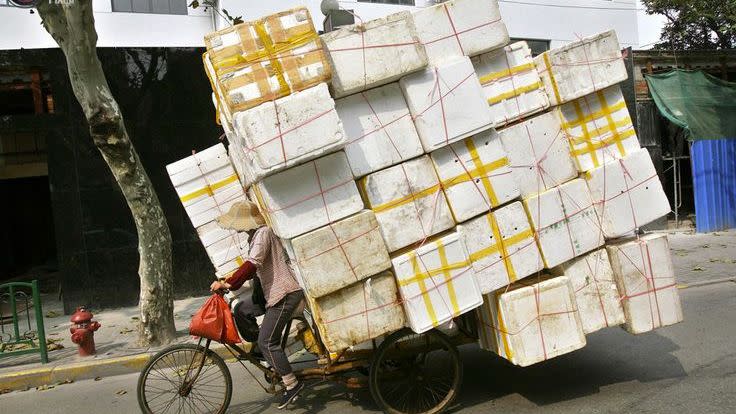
[[539, 155], [408, 202], [460, 28], [531, 322], [475, 175], [436, 282], [258, 61], [581, 67], [359, 312], [308, 196], [206, 184], [379, 128], [627, 194], [510, 83], [447, 103], [596, 294], [339, 254], [645, 278], [289, 131], [373, 53], [501, 247], [566, 222], [599, 128]]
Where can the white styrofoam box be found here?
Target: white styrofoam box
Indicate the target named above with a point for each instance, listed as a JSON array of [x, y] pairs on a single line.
[[531, 322], [206, 183], [510, 83], [380, 131], [339, 254], [599, 128], [373, 53], [436, 282], [566, 222], [646, 281], [596, 294], [460, 28], [222, 245], [359, 312], [446, 102], [475, 175], [627, 194], [501, 247], [289, 131], [308, 196], [226, 269], [538, 152], [581, 67], [408, 202]]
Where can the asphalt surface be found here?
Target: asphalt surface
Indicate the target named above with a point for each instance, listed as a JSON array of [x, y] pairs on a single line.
[[689, 367]]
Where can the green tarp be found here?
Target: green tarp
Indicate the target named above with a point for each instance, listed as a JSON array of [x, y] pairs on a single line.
[[703, 105]]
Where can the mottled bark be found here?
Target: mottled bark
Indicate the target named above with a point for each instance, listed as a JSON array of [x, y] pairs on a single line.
[[72, 27]]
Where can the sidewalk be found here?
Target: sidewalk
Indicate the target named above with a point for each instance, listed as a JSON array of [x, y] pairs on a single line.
[[697, 258]]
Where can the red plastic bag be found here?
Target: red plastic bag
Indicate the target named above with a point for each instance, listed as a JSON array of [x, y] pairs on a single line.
[[214, 321]]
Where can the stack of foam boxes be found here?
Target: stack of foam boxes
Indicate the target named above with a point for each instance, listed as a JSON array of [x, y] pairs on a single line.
[[418, 167]]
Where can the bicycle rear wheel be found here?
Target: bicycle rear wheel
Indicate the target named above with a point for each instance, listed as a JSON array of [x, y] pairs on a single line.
[[185, 378]]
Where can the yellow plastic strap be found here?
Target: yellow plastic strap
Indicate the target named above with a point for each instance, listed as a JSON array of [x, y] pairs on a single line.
[[273, 56], [584, 119], [422, 288], [259, 199], [218, 103], [209, 189], [448, 278], [239, 260], [505, 73], [406, 199], [272, 51], [487, 251], [483, 171], [420, 276], [611, 124], [617, 125], [552, 79], [586, 134], [502, 328], [604, 143], [512, 94], [475, 173], [501, 245]]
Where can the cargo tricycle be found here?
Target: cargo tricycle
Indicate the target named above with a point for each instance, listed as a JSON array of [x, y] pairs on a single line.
[[404, 371]]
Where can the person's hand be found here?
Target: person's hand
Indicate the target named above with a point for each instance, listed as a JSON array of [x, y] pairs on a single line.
[[217, 286]]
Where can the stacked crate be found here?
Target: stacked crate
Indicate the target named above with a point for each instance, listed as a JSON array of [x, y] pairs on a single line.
[[418, 167]]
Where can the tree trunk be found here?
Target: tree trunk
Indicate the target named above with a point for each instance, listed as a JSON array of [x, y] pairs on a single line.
[[72, 27]]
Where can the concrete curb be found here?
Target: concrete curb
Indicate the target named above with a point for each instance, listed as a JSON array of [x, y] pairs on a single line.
[[108, 367]]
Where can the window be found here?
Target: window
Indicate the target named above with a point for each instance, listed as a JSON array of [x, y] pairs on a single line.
[[401, 2], [537, 46], [150, 6]]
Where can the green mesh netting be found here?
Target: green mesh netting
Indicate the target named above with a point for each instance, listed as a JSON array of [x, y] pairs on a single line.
[[703, 105]]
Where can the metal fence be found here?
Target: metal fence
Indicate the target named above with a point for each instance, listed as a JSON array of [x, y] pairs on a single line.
[[21, 320]]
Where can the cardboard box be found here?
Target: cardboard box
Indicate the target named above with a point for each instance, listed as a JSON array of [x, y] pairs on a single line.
[[501, 247], [408, 202], [596, 294], [539, 154], [447, 103], [262, 60], [380, 131], [289, 131], [599, 128], [337, 255], [643, 271], [566, 222], [373, 53], [510, 83], [475, 175], [460, 28], [436, 282], [531, 322], [627, 194], [308, 196], [581, 67]]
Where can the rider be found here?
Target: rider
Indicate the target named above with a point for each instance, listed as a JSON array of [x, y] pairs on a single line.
[[267, 260]]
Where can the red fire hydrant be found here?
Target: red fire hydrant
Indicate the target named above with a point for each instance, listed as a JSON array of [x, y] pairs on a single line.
[[83, 331]]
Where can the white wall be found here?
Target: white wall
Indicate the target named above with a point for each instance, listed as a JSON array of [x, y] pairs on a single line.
[[20, 29]]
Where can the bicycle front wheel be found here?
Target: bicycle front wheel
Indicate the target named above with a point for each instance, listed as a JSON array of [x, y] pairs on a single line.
[[185, 378]]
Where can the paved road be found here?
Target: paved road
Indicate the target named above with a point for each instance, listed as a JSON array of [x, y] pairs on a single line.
[[689, 367]]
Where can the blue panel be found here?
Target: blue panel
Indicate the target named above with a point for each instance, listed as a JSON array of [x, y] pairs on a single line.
[[714, 178]]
